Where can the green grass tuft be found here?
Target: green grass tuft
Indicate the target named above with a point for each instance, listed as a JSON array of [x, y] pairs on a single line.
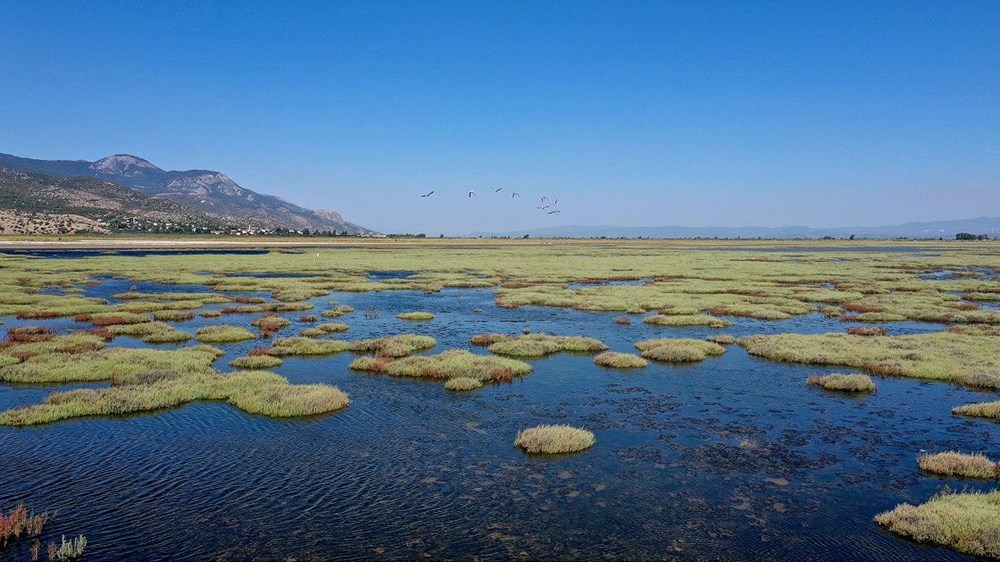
[[554, 439], [620, 360], [966, 522], [953, 463], [417, 316], [223, 334], [846, 383]]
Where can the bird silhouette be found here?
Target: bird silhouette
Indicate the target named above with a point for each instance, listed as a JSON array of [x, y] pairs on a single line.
[[497, 190], [554, 212], [545, 207], [556, 202], [544, 198], [514, 194], [471, 193], [428, 194]]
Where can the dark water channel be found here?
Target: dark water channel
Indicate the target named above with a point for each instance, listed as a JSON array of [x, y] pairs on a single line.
[[734, 458]]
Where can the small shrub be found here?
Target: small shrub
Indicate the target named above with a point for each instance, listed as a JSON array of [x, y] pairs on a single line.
[[554, 439], [211, 314], [623, 320], [310, 318], [172, 315], [70, 550]]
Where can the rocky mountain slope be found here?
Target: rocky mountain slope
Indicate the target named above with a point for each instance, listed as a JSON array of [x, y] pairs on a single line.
[[210, 192], [89, 204]]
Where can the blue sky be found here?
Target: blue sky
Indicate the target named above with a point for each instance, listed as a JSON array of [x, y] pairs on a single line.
[[631, 113]]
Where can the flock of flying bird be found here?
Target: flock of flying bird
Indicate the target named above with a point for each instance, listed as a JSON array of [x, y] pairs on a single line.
[[543, 207]]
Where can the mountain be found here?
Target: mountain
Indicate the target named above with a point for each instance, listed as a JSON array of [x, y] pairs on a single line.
[[210, 192], [937, 229], [39, 203]]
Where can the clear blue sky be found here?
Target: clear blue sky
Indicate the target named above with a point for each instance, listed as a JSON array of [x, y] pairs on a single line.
[[632, 113]]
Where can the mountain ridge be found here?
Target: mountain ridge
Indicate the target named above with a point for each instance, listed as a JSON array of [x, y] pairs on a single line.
[[210, 192]]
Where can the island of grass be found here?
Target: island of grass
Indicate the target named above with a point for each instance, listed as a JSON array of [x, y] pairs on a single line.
[[323, 329], [988, 410], [678, 350], [450, 364], [964, 358], [614, 360], [307, 346], [537, 345], [144, 380], [270, 323], [399, 345], [554, 439], [721, 339], [843, 382], [415, 316], [256, 362], [687, 320], [966, 522], [223, 333], [953, 463]]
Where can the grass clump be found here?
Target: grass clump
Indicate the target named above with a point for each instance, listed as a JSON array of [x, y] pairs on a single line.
[[211, 314], [307, 346], [989, 410], [417, 316], [172, 315], [399, 345], [150, 332], [620, 360], [256, 362], [953, 463], [946, 356], [846, 383], [256, 392], [118, 365], [966, 522], [451, 364], [554, 439], [270, 323], [687, 320], [678, 350], [223, 334], [536, 345], [73, 343], [460, 384], [323, 329], [337, 312]]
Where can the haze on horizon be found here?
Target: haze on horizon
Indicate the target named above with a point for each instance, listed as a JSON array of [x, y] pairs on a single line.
[[680, 113]]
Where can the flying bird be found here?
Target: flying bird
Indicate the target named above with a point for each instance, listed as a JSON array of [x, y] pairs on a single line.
[[544, 198], [514, 194], [428, 194], [497, 189], [545, 207], [556, 202], [471, 193], [554, 212]]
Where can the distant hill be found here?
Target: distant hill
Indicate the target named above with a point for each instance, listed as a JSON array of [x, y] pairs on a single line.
[[210, 192], [39, 203], [937, 229]]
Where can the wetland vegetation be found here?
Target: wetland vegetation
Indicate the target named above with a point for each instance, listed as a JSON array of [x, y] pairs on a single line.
[[105, 338]]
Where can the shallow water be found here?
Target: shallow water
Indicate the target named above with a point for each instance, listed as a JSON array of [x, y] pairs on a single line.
[[732, 458]]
